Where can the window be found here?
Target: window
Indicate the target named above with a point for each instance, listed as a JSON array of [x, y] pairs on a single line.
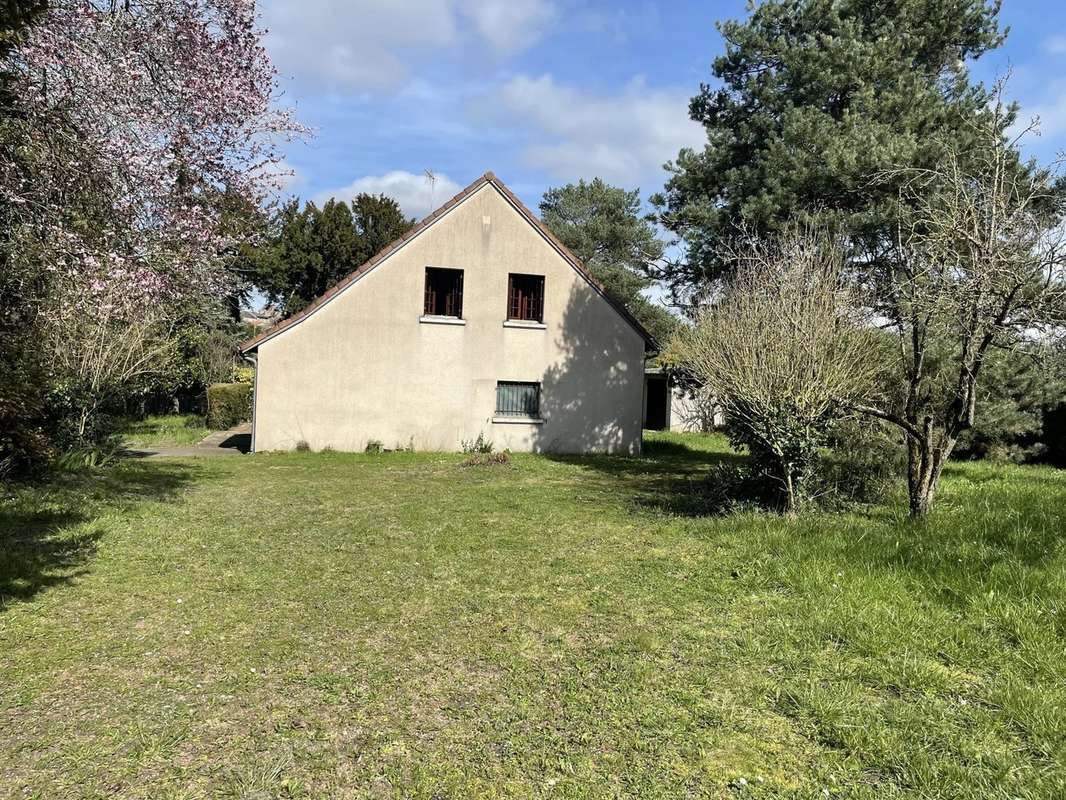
[[525, 297], [514, 399], [444, 292]]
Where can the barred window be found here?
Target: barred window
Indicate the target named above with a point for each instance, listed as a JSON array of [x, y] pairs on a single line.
[[525, 297], [517, 399], [444, 292]]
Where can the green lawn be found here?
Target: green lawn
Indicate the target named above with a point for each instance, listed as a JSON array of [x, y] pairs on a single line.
[[169, 429], [347, 626]]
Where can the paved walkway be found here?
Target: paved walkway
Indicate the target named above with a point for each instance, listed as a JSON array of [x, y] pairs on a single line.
[[233, 442]]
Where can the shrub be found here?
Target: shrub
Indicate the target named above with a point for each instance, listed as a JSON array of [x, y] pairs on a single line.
[[228, 404], [864, 464], [243, 375], [24, 442], [88, 457], [303, 446], [487, 459], [373, 447], [478, 445]]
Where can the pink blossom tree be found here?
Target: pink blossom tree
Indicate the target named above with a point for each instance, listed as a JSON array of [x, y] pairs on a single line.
[[136, 118]]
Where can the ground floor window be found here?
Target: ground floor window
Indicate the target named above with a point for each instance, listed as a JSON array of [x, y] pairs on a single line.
[[518, 399]]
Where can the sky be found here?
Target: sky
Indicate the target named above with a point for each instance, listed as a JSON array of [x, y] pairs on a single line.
[[541, 92]]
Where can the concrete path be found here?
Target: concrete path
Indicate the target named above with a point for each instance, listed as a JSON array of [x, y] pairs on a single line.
[[233, 442]]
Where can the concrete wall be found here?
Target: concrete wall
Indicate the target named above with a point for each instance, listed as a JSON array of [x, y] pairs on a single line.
[[691, 412], [363, 367]]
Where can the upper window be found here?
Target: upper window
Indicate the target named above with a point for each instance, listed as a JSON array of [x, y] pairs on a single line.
[[444, 292], [525, 297]]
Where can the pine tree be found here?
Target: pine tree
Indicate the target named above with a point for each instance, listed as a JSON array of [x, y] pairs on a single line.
[[815, 98], [307, 250], [603, 226]]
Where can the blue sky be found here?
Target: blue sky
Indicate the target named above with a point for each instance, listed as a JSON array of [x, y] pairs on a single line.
[[543, 92]]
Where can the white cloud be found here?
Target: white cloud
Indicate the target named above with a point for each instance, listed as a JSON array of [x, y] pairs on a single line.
[[1056, 44], [624, 137], [373, 43], [511, 25], [353, 41], [416, 194]]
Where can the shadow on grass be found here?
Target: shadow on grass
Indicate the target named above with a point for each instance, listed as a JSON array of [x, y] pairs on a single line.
[[671, 476], [47, 535]]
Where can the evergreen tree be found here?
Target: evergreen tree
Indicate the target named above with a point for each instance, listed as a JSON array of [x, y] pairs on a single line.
[[603, 226], [816, 98], [378, 221], [24, 380], [307, 250]]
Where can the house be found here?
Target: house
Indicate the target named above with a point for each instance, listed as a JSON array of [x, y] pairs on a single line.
[[477, 322], [671, 406], [260, 318]]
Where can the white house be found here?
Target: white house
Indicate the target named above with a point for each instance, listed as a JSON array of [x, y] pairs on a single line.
[[477, 321]]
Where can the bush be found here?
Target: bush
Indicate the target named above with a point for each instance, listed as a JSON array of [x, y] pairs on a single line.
[[24, 442], [373, 447], [243, 375], [228, 404], [90, 456], [864, 464], [861, 464]]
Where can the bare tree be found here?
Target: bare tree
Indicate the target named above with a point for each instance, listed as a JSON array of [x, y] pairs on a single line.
[[101, 349], [780, 348], [979, 266]]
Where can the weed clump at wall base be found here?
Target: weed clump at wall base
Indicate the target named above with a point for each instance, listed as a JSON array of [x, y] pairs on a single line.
[[487, 459]]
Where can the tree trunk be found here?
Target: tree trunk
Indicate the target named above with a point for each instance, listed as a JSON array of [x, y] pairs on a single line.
[[790, 490], [925, 464]]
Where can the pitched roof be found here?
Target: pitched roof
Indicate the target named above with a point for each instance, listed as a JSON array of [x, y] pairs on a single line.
[[389, 249]]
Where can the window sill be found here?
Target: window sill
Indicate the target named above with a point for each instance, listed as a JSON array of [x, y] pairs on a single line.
[[517, 421], [427, 319], [523, 323]]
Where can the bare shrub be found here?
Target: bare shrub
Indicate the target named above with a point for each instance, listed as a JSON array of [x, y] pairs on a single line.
[[779, 349]]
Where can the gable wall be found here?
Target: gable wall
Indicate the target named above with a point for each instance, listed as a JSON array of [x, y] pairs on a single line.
[[364, 368]]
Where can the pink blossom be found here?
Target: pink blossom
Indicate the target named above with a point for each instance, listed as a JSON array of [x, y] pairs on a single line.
[[167, 103]]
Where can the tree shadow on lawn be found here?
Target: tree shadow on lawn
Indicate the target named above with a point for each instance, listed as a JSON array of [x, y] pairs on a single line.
[[670, 477], [46, 536]]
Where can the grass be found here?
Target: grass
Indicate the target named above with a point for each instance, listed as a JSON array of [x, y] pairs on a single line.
[[329, 625], [165, 430]]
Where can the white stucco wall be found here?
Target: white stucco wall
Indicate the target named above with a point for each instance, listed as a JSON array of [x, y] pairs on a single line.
[[691, 412], [363, 367]]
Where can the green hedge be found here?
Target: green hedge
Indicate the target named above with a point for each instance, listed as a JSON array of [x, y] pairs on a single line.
[[228, 404]]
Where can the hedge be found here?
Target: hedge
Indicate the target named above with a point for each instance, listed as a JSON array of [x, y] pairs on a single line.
[[228, 404]]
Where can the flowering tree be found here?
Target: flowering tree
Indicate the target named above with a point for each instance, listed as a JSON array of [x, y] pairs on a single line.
[[170, 102], [135, 118]]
